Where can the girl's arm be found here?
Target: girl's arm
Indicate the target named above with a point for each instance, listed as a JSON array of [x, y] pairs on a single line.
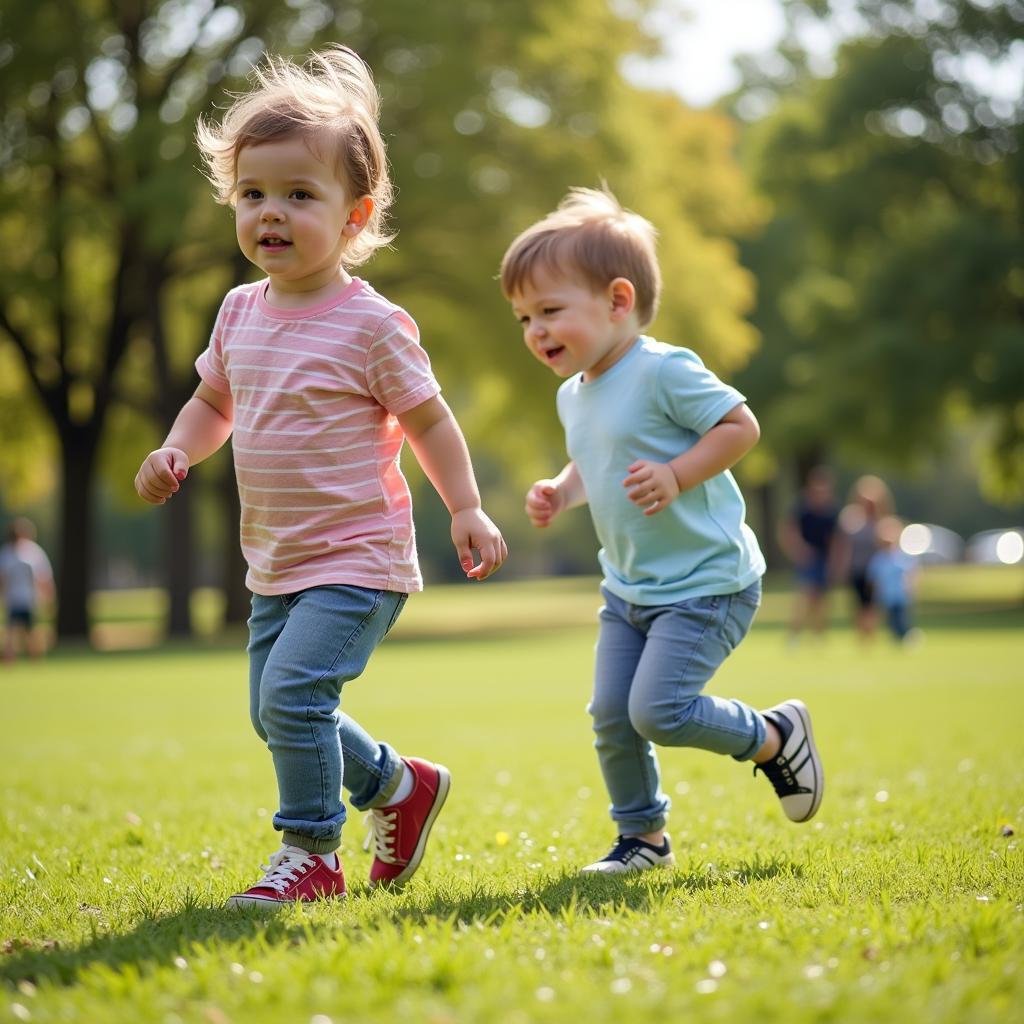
[[439, 447], [654, 485], [201, 428], [547, 499]]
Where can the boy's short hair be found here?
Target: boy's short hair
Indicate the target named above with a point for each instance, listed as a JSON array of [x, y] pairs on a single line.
[[591, 235], [331, 101]]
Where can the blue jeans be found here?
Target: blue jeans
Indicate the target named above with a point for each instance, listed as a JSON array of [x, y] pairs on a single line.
[[652, 663], [303, 648]]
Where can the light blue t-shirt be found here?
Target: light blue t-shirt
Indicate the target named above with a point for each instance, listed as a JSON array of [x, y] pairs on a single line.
[[889, 572], [655, 403]]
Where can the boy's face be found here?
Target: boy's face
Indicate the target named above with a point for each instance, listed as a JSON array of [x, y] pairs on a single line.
[[293, 217], [572, 328]]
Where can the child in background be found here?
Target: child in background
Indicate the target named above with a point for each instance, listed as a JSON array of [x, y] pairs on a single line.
[[808, 538], [891, 573], [26, 579], [321, 380], [651, 434]]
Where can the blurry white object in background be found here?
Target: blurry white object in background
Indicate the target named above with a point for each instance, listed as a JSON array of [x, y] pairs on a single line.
[[997, 547], [931, 544]]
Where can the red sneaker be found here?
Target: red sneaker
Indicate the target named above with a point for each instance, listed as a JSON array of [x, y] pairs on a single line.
[[400, 832], [293, 875]]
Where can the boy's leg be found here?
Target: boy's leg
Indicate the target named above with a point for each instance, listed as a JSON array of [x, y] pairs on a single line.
[[686, 643], [628, 761]]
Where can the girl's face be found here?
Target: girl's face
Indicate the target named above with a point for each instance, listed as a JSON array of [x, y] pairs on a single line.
[[293, 219]]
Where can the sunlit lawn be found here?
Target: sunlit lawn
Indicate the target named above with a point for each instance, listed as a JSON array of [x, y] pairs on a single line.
[[135, 799]]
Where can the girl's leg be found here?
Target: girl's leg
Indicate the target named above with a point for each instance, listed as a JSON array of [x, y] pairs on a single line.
[[686, 643], [326, 639], [628, 761]]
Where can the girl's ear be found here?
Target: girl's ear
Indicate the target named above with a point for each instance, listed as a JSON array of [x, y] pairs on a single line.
[[358, 217], [622, 297]]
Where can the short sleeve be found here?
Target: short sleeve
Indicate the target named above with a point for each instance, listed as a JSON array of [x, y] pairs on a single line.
[[398, 372], [210, 363], [690, 394]]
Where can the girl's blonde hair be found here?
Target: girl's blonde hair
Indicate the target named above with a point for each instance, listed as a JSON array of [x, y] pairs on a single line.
[[331, 101], [590, 235]]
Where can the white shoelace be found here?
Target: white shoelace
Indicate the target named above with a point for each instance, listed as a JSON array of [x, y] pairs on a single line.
[[285, 866], [381, 833]]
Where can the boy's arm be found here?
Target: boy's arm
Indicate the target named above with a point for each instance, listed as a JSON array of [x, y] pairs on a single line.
[[547, 499], [654, 485], [439, 447], [202, 426]]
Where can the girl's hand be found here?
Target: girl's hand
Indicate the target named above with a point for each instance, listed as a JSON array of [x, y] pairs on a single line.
[[544, 502], [161, 474], [651, 486], [472, 530]]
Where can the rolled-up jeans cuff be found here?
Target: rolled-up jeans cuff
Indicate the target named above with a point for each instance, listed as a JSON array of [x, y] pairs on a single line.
[[762, 733], [641, 826], [326, 845], [391, 779]]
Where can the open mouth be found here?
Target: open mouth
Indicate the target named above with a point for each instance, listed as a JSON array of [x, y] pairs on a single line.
[[552, 354], [273, 244]]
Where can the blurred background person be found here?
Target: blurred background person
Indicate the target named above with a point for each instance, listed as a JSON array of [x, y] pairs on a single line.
[[891, 576], [856, 543], [26, 580], [807, 537]]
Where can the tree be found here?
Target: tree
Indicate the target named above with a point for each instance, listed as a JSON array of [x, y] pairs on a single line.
[[892, 301], [120, 258]]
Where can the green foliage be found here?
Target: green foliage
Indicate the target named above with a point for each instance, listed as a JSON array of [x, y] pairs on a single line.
[[156, 800], [890, 281]]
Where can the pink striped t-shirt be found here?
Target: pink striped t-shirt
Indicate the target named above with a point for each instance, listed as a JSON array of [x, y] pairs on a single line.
[[316, 443]]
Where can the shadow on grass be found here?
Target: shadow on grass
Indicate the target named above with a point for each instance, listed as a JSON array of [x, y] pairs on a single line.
[[570, 893], [159, 939]]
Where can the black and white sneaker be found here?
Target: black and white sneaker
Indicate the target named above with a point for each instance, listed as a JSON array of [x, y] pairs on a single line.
[[632, 854], [795, 771]]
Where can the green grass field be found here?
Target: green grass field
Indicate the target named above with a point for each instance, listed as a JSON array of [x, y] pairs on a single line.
[[135, 799]]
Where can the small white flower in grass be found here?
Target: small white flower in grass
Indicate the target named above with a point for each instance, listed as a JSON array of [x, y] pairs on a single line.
[[983, 899], [255, 977], [655, 947], [763, 925], [965, 766], [181, 963], [882, 796], [26, 988], [21, 1012], [237, 969], [666, 950], [706, 986], [682, 788], [833, 962], [320, 1018], [539, 954], [716, 969], [813, 971], [488, 954], [545, 994], [620, 986]]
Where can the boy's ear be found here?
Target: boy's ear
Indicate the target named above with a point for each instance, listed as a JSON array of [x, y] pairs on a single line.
[[622, 296], [358, 217]]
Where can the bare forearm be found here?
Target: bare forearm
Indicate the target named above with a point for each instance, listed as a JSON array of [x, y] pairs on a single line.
[[199, 430], [442, 453], [570, 487], [718, 450]]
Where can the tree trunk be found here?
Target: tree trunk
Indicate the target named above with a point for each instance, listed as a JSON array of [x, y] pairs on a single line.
[[766, 497], [178, 561], [237, 597], [78, 458]]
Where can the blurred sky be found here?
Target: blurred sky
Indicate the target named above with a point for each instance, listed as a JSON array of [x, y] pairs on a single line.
[[701, 45]]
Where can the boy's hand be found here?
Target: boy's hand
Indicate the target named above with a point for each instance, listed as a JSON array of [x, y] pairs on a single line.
[[651, 485], [544, 502], [471, 529], [161, 474]]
